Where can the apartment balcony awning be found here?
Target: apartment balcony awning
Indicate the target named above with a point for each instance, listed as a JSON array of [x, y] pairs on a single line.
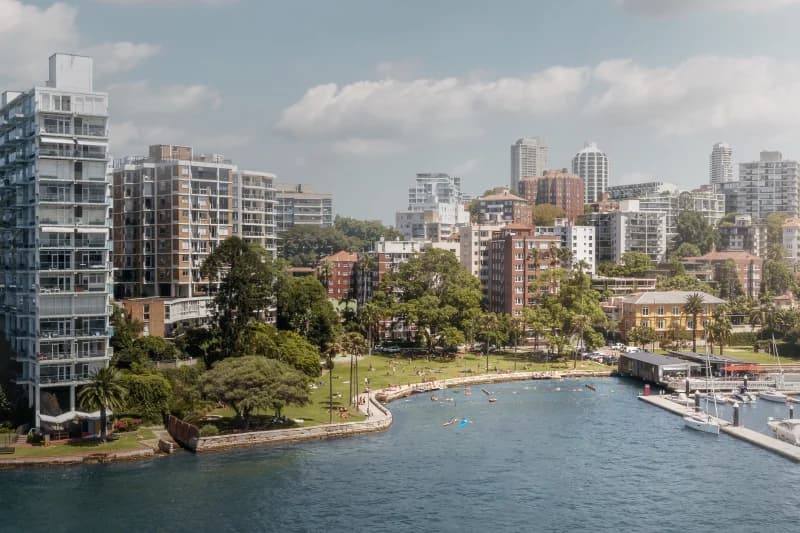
[[57, 229], [88, 229], [92, 143], [56, 140], [72, 415]]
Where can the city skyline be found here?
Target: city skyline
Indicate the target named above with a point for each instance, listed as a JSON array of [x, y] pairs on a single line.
[[358, 109]]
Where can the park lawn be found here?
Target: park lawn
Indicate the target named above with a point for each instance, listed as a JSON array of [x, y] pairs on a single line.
[[126, 442], [382, 370]]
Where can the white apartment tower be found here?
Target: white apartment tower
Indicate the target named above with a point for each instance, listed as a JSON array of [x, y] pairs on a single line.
[[435, 208], [55, 273], [529, 159], [591, 164], [769, 185], [720, 165]]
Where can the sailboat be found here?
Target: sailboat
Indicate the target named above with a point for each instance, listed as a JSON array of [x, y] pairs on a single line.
[[703, 421], [774, 395]]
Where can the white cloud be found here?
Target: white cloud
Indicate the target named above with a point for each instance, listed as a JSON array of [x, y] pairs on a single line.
[[30, 34], [466, 167], [111, 58], [701, 93], [167, 3], [367, 147], [128, 138], [387, 113], [678, 7], [141, 98]]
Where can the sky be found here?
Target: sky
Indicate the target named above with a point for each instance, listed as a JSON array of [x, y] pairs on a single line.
[[357, 96]]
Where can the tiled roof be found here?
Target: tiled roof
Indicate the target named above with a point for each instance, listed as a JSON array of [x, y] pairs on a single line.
[[501, 197], [342, 256], [723, 256], [669, 297]]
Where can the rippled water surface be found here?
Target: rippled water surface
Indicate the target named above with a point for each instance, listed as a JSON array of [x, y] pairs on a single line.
[[548, 456]]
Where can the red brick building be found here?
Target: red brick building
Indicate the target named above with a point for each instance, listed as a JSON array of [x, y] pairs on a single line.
[[502, 206], [748, 268], [337, 272], [519, 262], [556, 187]]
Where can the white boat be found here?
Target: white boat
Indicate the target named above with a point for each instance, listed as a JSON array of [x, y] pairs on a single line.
[[787, 430], [702, 422], [773, 396]]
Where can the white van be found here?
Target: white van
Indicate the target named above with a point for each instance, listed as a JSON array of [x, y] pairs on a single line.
[[632, 349]]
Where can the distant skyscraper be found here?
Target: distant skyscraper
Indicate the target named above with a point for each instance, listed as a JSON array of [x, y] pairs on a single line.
[[529, 158], [591, 164], [721, 164]]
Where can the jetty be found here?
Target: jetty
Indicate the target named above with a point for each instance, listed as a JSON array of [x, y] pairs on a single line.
[[766, 442]]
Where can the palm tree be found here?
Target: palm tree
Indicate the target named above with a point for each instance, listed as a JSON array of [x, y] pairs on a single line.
[[103, 392], [720, 330], [693, 307], [579, 324]]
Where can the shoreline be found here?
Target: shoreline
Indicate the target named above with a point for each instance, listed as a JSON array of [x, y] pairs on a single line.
[[379, 419]]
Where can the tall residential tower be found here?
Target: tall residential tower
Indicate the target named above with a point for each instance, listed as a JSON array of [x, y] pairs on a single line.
[[529, 159], [591, 164], [720, 165], [55, 273]]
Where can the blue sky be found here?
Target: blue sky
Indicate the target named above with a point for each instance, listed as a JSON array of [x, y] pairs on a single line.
[[355, 97]]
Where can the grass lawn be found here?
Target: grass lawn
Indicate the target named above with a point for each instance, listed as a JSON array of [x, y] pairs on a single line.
[[127, 441], [383, 370]]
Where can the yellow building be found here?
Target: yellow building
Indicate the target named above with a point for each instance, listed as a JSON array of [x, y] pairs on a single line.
[[663, 311]]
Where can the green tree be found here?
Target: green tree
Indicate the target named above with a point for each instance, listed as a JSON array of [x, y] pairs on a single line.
[[633, 264], [683, 282], [719, 330], [363, 233], [693, 228], [694, 307], [433, 290], [777, 277], [125, 330], [774, 222], [642, 335], [687, 249], [148, 395], [303, 307], [249, 383], [186, 401], [728, 282], [546, 214], [246, 290], [285, 346], [304, 245], [537, 321], [104, 391]]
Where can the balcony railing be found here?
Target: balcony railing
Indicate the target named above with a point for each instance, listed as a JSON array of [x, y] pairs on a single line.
[[56, 356], [91, 332], [50, 380], [54, 334]]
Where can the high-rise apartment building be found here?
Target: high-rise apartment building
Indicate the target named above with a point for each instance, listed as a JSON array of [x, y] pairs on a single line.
[[629, 230], [54, 238], [769, 185], [579, 240], [519, 264], [743, 235], [556, 187], [503, 207], [171, 210], [591, 164], [299, 205], [474, 241], [710, 205], [529, 158], [720, 166], [435, 208]]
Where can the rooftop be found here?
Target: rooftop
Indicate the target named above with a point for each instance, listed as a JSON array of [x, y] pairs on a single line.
[[669, 297], [736, 255], [340, 257], [655, 359]]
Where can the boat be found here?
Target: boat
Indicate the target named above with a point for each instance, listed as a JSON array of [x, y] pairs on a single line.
[[591, 387], [787, 430], [492, 400], [450, 422], [773, 396], [703, 421], [434, 398], [742, 396], [486, 392]]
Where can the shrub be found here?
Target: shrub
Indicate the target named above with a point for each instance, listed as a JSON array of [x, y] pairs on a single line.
[[149, 395], [742, 338], [209, 430], [127, 424], [35, 438]]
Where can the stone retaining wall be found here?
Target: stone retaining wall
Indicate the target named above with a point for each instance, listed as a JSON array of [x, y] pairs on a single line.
[[104, 457], [278, 436]]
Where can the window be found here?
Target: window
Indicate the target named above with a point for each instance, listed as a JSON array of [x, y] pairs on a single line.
[[645, 323], [676, 310], [645, 311], [660, 323], [661, 310], [146, 312]]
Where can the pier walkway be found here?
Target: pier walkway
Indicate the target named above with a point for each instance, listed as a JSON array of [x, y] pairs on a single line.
[[748, 435]]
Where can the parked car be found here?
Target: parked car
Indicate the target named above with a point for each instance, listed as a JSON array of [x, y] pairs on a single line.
[[392, 349], [632, 349]]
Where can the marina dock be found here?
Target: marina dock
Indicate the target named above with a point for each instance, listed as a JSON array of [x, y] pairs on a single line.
[[748, 435]]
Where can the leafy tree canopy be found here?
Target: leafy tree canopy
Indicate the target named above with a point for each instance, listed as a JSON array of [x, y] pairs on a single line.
[[303, 246], [303, 307], [253, 382], [546, 214], [363, 233], [693, 228], [285, 346], [633, 265], [687, 249], [777, 277], [683, 282]]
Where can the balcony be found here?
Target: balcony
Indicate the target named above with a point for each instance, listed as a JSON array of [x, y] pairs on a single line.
[[63, 379], [54, 357], [92, 332], [91, 131]]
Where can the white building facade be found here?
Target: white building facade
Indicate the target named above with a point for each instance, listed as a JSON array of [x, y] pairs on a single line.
[[435, 208], [591, 164], [769, 185], [720, 165], [475, 240], [530, 157], [55, 300], [580, 240]]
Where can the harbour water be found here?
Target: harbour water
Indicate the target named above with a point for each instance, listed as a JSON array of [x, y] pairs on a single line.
[[547, 456]]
